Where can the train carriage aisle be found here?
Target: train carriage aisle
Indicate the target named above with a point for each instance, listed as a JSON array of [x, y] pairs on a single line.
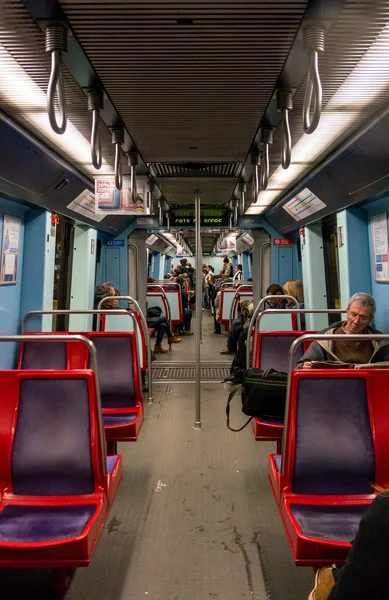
[[194, 516]]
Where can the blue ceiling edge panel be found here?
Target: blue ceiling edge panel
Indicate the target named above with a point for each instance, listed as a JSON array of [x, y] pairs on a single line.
[[358, 170], [31, 173]]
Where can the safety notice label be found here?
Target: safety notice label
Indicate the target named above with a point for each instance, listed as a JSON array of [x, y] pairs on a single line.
[[303, 205]]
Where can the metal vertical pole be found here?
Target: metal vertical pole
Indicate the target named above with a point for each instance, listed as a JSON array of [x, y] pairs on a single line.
[[199, 304]]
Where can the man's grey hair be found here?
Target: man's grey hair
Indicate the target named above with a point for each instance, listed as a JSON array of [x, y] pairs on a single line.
[[103, 290], [363, 300]]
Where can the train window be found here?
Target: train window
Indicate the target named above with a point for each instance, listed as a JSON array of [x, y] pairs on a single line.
[[62, 272], [330, 248]]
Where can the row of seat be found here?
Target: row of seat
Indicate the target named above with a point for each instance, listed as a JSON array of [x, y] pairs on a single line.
[[333, 453], [61, 416]]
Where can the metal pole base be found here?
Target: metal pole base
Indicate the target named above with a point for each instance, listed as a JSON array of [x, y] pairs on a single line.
[[198, 425], [150, 401]]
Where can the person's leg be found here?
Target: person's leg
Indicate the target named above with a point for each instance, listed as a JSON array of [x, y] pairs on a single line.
[[172, 339], [217, 325], [233, 337], [187, 319], [161, 328]]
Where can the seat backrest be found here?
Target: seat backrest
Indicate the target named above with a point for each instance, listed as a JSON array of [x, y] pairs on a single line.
[[51, 449], [43, 355], [333, 450], [277, 322], [273, 350], [118, 369]]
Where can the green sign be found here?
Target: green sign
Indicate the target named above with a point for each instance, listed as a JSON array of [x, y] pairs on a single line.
[[203, 221]]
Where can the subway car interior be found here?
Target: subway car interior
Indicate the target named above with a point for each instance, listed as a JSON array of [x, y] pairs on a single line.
[[190, 192]]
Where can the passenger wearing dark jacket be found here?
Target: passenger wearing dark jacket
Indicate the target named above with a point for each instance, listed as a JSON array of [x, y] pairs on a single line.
[[365, 576], [360, 312]]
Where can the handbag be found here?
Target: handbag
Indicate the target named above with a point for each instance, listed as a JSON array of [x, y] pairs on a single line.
[[263, 395]]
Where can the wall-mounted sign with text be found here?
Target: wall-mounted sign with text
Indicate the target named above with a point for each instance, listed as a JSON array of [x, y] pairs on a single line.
[[282, 242]]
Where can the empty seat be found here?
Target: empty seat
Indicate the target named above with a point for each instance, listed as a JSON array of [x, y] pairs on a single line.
[[55, 496], [120, 387], [331, 460]]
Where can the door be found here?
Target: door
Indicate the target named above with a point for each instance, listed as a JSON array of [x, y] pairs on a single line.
[[331, 263], [62, 272]]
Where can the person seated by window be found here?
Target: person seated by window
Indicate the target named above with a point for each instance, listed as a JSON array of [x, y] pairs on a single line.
[[238, 273], [359, 314], [216, 313], [185, 307], [167, 276], [275, 290], [366, 572], [103, 290], [294, 288]]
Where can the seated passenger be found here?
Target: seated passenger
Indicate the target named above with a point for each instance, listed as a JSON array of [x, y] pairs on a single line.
[[275, 290], [294, 288], [360, 312], [103, 290], [366, 572], [185, 307], [236, 328], [156, 320]]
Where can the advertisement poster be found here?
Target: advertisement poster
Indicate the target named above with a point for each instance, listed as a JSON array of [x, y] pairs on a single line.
[[10, 249], [379, 236], [303, 205], [110, 201]]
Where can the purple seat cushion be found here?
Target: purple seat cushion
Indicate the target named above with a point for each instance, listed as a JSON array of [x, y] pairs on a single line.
[[44, 355], [119, 419], [116, 371], [334, 445], [277, 461], [337, 523], [43, 523], [275, 352], [111, 462], [51, 453]]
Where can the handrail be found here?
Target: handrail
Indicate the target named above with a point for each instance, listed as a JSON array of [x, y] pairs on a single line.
[[253, 321], [56, 37], [164, 282], [285, 105], [137, 266], [145, 331], [313, 44], [118, 140], [319, 337], [96, 312], [233, 300], [93, 353], [159, 287], [95, 104], [261, 264]]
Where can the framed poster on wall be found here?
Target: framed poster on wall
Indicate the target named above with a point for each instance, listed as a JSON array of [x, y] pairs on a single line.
[[10, 249], [379, 236]]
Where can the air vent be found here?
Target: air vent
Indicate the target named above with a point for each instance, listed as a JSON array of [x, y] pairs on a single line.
[[229, 169]]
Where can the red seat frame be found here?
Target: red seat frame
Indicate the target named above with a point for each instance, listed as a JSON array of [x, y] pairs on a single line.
[[314, 551], [59, 553]]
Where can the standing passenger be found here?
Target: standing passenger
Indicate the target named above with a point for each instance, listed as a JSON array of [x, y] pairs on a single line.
[[238, 273]]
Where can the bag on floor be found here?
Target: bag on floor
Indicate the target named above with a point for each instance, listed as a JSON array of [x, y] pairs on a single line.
[[263, 395]]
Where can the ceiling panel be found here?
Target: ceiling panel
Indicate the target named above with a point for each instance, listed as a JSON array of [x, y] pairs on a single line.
[[190, 80]]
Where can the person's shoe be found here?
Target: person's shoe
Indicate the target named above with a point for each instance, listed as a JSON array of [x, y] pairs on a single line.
[[160, 350], [324, 582], [227, 351], [174, 340], [187, 333], [217, 332]]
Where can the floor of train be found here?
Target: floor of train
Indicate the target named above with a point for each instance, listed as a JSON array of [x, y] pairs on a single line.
[[194, 518]]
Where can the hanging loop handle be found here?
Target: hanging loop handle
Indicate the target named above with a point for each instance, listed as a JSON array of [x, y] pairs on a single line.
[[266, 140], [313, 44], [285, 105], [118, 140], [95, 104], [56, 42]]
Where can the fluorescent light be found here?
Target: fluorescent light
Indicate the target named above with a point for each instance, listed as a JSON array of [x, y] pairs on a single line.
[[18, 89], [366, 83]]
